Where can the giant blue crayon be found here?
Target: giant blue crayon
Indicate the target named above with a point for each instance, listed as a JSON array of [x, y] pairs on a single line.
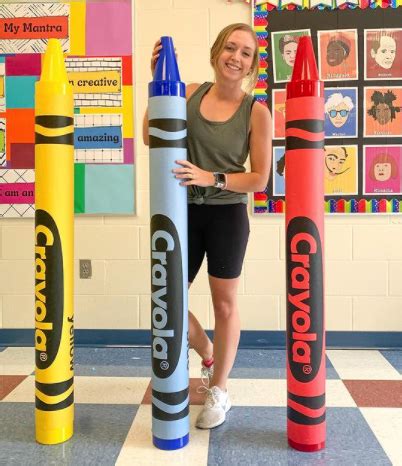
[[305, 253], [169, 274]]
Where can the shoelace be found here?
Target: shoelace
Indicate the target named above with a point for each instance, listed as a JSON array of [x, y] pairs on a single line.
[[211, 399], [206, 372]]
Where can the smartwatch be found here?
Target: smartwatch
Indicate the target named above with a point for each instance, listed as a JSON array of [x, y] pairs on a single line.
[[220, 180]]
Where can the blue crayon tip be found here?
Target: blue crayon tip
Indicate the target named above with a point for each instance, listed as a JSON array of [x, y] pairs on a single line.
[[166, 80], [166, 67]]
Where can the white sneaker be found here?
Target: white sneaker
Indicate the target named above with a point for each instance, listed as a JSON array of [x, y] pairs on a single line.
[[206, 374], [217, 404]]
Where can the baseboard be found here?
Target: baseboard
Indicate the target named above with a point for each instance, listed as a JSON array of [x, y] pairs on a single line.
[[257, 339]]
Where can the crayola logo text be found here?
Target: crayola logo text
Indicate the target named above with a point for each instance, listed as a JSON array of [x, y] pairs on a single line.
[[305, 298], [159, 309], [41, 326], [48, 289], [167, 295]]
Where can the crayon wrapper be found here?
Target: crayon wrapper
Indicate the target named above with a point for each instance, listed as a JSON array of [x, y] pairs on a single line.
[[305, 291], [54, 267], [169, 277]]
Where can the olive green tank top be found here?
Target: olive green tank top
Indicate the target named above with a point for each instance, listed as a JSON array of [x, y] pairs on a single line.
[[217, 147]]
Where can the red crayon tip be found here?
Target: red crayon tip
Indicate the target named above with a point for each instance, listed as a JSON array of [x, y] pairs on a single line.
[[305, 82]]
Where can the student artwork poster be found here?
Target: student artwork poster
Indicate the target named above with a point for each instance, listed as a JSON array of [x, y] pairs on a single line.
[[337, 55], [278, 113], [383, 54], [284, 52], [278, 171], [382, 169], [341, 108], [340, 170], [382, 111]]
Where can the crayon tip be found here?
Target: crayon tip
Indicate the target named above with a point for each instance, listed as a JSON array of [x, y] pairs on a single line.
[[166, 67], [305, 67], [305, 81], [53, 68]]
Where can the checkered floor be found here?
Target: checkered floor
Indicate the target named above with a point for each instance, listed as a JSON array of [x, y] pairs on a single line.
[[113, 412]]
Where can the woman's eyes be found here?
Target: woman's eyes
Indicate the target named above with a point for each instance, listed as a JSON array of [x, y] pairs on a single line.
[[232, 49]]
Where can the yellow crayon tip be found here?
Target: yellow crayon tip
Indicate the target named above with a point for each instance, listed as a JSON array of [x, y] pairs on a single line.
[[53, 68]]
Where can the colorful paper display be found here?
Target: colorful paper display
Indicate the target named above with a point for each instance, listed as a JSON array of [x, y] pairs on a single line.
[[358, 48], [97, 40]]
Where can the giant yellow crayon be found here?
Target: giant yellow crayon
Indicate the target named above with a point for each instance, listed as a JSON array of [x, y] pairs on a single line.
[[54, 217]]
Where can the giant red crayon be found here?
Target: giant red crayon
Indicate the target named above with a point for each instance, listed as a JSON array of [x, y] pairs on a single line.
[[304, 253]]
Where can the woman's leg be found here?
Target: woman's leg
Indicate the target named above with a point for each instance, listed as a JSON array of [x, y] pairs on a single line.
[[198, 339], [227, 327]]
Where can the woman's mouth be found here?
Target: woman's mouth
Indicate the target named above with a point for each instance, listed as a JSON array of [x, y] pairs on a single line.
[[233, 67]]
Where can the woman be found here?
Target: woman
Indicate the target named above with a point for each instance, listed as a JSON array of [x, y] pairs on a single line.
[[223, 128]]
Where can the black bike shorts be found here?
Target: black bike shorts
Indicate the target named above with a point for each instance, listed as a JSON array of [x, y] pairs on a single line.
[[221, 232]]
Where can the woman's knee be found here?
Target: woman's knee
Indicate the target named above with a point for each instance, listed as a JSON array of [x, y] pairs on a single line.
[[225, 309]]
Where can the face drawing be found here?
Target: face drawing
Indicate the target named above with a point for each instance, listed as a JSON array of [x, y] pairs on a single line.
[[382, 171], [383, 109], [384, 51], [289, 53], [383, 113], [338, 108], [383, 168], [339, 115], [288, 47], [337, 51], [335, 158]]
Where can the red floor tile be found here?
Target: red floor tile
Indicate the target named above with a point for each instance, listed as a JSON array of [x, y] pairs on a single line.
[[195, 398], [8, 383], [376, 393]]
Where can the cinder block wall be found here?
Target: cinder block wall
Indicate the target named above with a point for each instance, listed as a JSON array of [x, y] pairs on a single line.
[[363, 253]]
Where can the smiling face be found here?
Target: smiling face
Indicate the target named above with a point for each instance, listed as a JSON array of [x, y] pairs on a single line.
[[335, 158], [382, 171], [236, 58], [289, 53], [339, 115], [385, 54]]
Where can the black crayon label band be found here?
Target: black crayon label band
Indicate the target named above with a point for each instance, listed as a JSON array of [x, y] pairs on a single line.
[[41, 405], [168, 124], [67, 139], [294, 143], [313, 126], [54, 121], [54, 389], [300, 418], [163, 416], [156, 143]]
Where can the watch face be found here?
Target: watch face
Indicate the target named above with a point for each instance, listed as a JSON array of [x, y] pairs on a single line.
[[219, 180]]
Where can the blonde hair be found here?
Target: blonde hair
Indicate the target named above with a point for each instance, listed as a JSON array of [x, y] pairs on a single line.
[[220, 43]]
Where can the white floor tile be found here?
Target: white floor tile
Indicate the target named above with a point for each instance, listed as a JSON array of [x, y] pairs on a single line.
[[362, 365], [273, 392], [138, 448], [97, 390], [386, 423], [17, 361]]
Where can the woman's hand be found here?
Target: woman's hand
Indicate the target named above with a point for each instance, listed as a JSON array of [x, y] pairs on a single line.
[[193, 175], [155, 55]]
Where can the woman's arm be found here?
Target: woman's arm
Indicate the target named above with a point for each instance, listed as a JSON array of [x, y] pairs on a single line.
[[190, 89]]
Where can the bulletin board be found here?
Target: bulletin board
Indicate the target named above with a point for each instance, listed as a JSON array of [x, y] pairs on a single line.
[[96, 37], [358, 47]]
